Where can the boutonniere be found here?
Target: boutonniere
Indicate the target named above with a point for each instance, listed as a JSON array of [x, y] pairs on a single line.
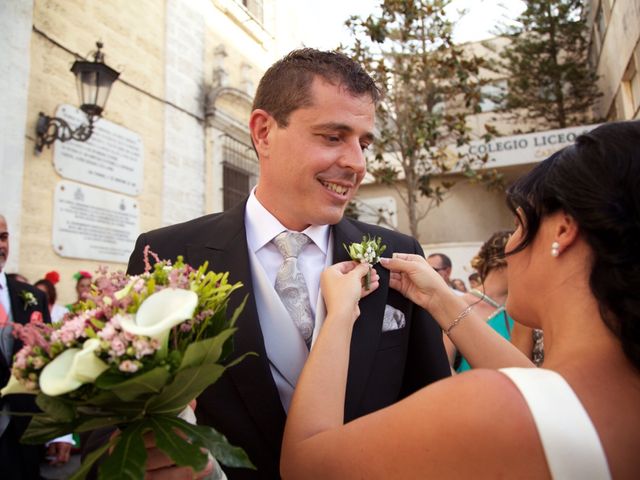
[[28, 299], [367, 251]]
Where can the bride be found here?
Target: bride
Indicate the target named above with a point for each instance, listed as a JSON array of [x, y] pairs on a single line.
[[574, 271]]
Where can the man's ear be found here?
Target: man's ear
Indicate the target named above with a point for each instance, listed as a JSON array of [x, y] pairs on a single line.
[[260, 125]]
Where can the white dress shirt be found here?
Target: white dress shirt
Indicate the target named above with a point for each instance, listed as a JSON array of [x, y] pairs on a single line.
[[4, 294], [262, 227], [285, 348]]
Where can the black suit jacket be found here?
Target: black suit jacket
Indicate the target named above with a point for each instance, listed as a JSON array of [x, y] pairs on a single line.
[[20, 461], [244, 404]]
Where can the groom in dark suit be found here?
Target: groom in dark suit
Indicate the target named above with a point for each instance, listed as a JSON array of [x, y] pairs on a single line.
[[18, 302], [312, 118]]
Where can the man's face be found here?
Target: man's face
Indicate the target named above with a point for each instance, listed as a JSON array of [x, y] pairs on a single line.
[[438, 266], [4, 243], [312, 168]]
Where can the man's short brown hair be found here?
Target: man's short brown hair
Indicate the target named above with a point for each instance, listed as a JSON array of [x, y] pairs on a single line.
[[286, 85]]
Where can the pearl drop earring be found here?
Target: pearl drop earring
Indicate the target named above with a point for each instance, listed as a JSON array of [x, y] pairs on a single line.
[[555, 249]]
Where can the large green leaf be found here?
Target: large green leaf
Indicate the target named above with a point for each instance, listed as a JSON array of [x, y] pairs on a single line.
[[129, 456], [86, 424], [217, 443], [89, 460], [54, 407], [103, 398], [238, 311], [186, 385], [138, 385], [109, 378], [42, 429], [206, 351], [181, 451]]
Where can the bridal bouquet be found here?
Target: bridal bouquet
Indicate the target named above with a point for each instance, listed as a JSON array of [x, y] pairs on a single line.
[[133, 356]]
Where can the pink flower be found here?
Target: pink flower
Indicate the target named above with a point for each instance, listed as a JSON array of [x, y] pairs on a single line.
[[138, 285], [37, 362], [129, 366], [108, 332], [20, 360], [118, 347], [143, 347]]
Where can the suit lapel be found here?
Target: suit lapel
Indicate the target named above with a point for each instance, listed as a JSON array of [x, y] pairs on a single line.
[[368, 327], [18, 312], [226, 249]]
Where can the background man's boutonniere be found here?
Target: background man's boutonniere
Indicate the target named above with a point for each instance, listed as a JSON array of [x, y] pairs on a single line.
[[28, 299], [367, 251]]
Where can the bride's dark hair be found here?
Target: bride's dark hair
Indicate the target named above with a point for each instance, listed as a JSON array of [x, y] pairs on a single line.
[[597, 182]]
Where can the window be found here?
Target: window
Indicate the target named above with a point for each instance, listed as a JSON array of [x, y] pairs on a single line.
[[239, 171], [236, 186]]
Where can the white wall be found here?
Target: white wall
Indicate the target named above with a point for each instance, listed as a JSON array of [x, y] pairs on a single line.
[[184, 157], [15, 37]]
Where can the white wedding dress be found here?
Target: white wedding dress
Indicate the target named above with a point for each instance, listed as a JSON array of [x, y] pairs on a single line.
[[569, 439]]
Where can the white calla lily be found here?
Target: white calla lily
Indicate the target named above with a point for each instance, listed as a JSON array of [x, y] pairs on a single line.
[[120, 294], [160, 312], [86, 365], [71, 369], [14, 386]]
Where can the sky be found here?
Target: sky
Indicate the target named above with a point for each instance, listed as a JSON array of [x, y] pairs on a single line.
[[324, 20]]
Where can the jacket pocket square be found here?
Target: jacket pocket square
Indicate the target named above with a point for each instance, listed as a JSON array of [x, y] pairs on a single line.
[[393, 319]]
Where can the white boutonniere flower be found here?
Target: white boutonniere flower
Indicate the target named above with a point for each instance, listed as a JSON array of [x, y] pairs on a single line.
[[367, 251], [28, 299]]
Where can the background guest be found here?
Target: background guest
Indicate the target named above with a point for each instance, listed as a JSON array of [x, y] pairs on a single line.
[[18, 302], [441, 263], [458, 284], [83, 287], [47, 285], [490, 298], [474, 280]]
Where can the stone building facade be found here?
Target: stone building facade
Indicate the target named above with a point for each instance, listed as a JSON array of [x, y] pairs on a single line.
[[188, 71]]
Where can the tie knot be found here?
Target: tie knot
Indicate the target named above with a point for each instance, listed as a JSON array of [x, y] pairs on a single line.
[[290, 244]]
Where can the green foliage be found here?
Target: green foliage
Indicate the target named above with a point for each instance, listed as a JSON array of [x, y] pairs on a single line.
[[548, 75], [430, 86]]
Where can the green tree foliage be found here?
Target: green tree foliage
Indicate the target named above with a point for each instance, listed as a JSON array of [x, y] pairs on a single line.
[[548, 76], [430, 85]]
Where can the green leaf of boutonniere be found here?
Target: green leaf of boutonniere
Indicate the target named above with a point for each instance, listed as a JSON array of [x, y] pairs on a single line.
[[367, 251]]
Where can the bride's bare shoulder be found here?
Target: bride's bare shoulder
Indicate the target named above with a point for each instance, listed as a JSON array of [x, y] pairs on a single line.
[[476, 424]]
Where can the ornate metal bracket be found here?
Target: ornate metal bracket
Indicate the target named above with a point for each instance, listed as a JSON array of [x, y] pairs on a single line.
[[49, 129]]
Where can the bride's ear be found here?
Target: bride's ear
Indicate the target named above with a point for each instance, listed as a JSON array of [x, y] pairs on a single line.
[[565, 231]]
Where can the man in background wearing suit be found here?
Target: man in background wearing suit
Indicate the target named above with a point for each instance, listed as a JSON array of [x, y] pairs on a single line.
[[312, 119], [17, 461]]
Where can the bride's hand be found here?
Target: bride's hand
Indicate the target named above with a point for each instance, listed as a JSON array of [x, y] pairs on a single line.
[[412, 276], [342, 289]]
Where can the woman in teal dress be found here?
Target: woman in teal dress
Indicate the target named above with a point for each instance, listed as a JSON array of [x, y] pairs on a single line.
[[489, 299]]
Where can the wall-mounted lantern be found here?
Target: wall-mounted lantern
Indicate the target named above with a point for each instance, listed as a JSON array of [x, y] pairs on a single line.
[[93, 81]]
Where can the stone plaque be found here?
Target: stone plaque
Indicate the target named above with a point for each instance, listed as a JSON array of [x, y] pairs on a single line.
[[112, 158], [93, 224]]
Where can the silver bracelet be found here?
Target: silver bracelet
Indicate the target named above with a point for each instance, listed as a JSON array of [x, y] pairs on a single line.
[[460, 316]]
